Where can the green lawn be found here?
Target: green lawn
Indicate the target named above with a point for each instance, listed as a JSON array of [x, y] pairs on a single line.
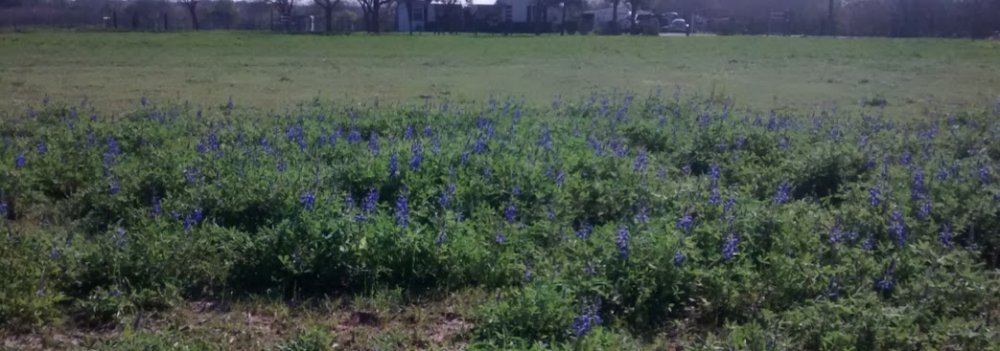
[[268, 70]]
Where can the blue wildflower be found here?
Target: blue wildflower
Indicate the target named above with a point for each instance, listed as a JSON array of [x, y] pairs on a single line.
[[917, 189], [686, 170], [621, 239], [393, 165], [783, 194], [444, 199], [408, 133], [479, 147], [642, 216], [868, 245], [441, 238], [428, 131], [402, 211], [836, 235], [905, 158], [3, 208], [583, 323], [20, 161], [714, 197], [42, 149], [679, 258], [685, 222], [640, 162], [371, 201], [875, 196], [510, 213], [714, 173], [308, 200], [945, 236], [416, 155], [545, 139], [984, 174], [730, 247], [373, 144], [924, 211], [113, 187], [354, 136], [500, 238], [584, 232], [897, 227]]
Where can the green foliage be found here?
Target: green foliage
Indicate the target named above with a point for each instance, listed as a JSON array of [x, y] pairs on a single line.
[[313, 339], [598, 225]]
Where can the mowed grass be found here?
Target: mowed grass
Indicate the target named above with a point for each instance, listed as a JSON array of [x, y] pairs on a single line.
[[263, 70]]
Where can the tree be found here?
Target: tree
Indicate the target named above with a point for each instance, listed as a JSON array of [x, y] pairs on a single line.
[[284, 8], [635, 5], [192, 7], [371, 10], [328, 6], [613, 26]]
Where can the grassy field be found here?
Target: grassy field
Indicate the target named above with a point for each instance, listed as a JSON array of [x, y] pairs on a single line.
[[268, 71]]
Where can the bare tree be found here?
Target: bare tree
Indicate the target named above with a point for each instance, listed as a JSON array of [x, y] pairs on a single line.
[[328, 6], [371, 10], [192, 7], [284, 8]]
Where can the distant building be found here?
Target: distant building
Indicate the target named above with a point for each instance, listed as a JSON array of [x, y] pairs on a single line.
[[480, 15]]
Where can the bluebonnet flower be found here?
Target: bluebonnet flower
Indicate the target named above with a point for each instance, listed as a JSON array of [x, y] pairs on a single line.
[[428, 131], [640, 162], [373, 144], [783, 194], [727, 209], [479, 147], [685, 222], [984, 174], [584, 232], [905, 158], [868, 245], [942, 173], [730, 247], [20, 160], [282, 165], [583, 323], [528, 275], [354, 136], [229, 104], [487, 172], [551, 214], [510, 213], [596, 145], [416, 155], [945, 236], [3, 208], [445, 198], [441, 238], [917, 185], [661, 173], [371, 201], [642, 216], [924, 211], [714, 173], [679, 258], [714, 197], [408, 133], [393, 165], [875, 196], [142, 100], [619, 148], [198, 215], [113, 187], [348, 202], [308, 200], [545, 139], [464, 158], [621, 239], [836, 235], [870, 164], [42, 149], [686, 170], [402, 211], [500, 238], [887, 283], [155, 212], [560, 178], [897, 227]]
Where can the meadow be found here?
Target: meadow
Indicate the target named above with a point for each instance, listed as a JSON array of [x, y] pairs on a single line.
[[623, 218], [921, 77]]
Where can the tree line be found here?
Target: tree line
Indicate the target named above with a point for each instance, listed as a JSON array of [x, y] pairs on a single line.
[[896, 18]]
